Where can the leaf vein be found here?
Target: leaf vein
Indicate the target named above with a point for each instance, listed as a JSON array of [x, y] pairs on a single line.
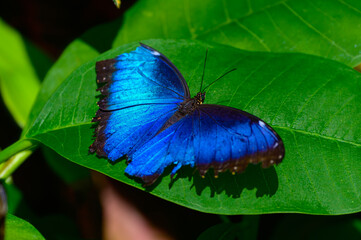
[[278, 28], [338, 111], [188, 18], [317, 135], [246, 78], [216, 27], [350, 6], [226, 11], [253, 34], [306, 171], [331, 179], [309, 99], [316, 30], [269, 83], [288, 95], [349, 172]]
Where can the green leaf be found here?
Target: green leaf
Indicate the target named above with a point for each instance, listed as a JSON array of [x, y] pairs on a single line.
[[14, 155], [325, 28], [19, 229], [17, 147], [76, 54], [21, 65], [13, 195], [7, 168], [80, 51], [313, 103]]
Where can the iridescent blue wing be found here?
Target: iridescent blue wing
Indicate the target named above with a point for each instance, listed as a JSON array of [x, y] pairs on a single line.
[[212, 136], [244, 139], [142, 90]]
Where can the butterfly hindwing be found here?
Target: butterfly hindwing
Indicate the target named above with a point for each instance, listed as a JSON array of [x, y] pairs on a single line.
[[229, 138], [212, 136], [142, 89], [174, 146]]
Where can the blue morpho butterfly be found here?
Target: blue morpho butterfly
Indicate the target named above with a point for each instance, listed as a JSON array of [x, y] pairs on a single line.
[[148, 115]]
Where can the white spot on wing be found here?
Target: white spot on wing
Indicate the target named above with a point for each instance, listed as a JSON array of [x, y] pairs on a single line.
[[261, 123], [155, 53]]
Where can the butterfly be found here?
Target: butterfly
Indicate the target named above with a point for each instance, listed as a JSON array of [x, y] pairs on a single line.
[[148, 116]]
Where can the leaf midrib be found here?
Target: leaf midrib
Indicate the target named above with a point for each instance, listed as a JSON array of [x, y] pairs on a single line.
[[234, 20], [317, 135], [273, 126]]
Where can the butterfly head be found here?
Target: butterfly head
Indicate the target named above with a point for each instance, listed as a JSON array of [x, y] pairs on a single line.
[[200, 97]]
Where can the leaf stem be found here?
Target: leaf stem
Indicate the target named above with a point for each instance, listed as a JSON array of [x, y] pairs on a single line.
[[7, 168], [17, 147]]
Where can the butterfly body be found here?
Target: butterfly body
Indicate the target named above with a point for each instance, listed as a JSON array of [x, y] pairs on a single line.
[[185, 108], [148, 116]]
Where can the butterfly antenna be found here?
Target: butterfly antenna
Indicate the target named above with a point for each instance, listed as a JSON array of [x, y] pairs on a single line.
[[219, 78], [204, 68]]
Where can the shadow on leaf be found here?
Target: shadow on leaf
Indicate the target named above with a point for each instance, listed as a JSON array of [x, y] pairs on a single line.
[[255, 177]]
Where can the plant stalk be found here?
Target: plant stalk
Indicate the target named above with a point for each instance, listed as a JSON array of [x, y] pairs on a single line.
[[17, 147], [7, 168]]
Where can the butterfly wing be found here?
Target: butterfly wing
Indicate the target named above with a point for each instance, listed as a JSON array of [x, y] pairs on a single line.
[[142, 90], [212, 136], [228, 138]]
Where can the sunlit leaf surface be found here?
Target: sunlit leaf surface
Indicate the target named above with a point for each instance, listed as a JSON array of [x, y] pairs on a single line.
[[313, 103]]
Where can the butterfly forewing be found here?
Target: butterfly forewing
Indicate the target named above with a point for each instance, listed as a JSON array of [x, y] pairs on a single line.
[[141, 91]]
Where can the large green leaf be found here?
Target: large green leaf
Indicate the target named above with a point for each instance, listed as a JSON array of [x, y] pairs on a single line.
[[76, 54], [21, 67], [324, 28], [313, 103], [13, 195], [19, 229]]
